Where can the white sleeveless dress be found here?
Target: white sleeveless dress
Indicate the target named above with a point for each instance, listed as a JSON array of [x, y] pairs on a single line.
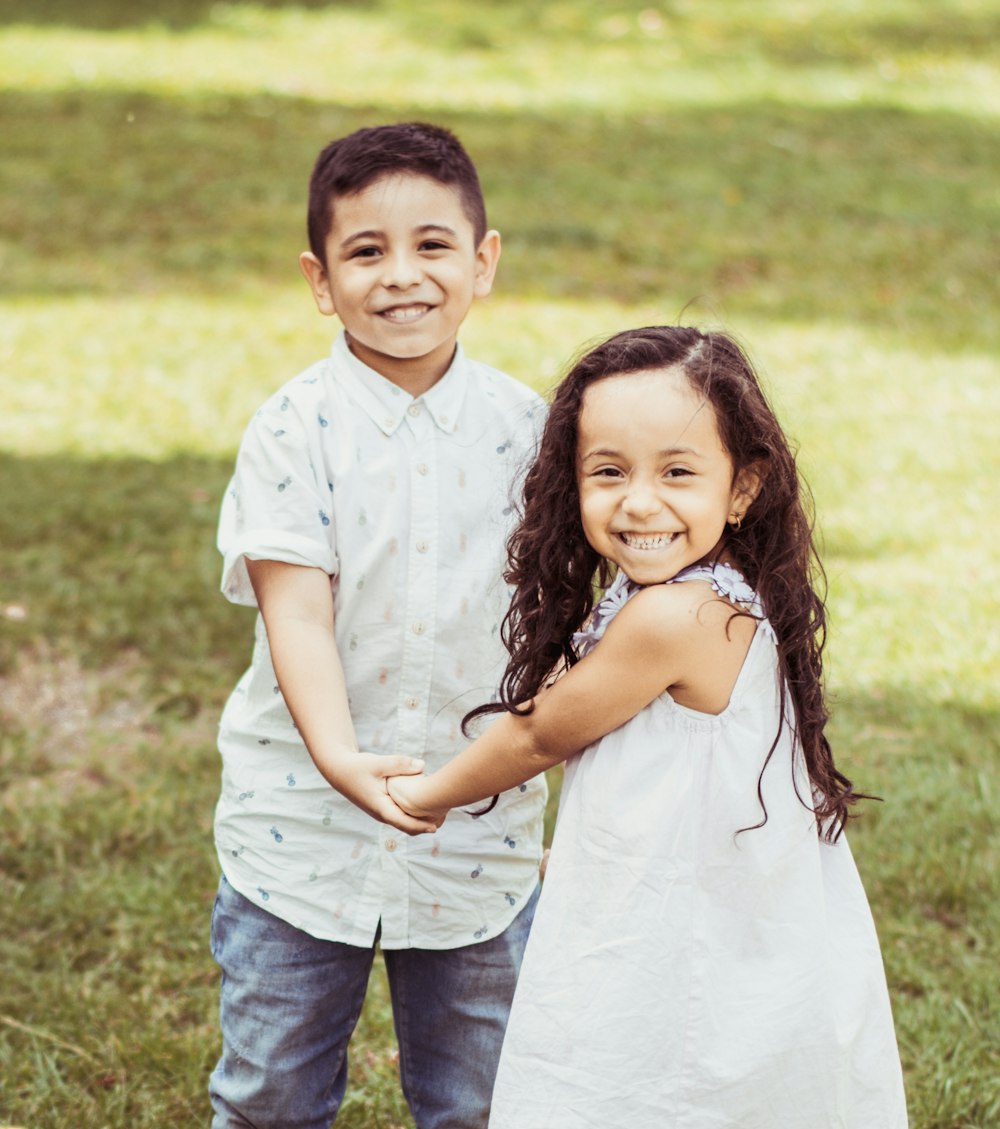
[[681, 976]]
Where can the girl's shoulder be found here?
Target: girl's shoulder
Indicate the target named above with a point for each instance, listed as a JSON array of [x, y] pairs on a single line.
[[677, 603], [658, 616], [683, 639], [695, 631], [704, 596], [706, 624], [678, 612]]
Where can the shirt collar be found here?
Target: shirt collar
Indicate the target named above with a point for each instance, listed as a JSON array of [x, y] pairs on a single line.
[[386, 403]]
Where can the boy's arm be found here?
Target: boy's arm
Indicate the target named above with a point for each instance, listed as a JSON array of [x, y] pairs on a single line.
[[297, 607]]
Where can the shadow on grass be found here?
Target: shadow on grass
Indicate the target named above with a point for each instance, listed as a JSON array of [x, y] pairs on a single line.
[[116, 557], [114, 15], [829, 37], [867, 215]]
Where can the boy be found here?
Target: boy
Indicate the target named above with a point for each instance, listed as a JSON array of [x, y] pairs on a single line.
[[367, 520]]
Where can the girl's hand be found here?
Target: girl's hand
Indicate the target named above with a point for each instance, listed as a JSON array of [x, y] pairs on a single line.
[[409, 793]]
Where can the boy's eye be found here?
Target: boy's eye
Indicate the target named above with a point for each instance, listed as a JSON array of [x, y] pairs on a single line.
[[364, 252], [433, 245]]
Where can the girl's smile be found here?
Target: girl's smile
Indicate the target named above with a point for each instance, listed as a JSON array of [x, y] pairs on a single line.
[[655, 482], [647, 540]]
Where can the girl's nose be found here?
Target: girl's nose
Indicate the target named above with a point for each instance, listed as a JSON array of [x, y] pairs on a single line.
[[641, 500]]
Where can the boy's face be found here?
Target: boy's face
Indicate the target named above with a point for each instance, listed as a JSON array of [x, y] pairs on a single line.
[[402, 269]]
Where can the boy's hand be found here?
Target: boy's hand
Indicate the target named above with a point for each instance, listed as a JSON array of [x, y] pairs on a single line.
[[362, 778], [409, 792]]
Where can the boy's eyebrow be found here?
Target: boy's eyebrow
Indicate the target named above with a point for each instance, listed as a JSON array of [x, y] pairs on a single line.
[[374, 233], [425, 227]]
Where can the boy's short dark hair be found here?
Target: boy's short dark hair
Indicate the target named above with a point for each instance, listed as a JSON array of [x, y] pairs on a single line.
[[350, 164]]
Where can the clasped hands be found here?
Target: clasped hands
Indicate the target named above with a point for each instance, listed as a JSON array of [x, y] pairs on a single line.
[[389, 789], [407, 792]]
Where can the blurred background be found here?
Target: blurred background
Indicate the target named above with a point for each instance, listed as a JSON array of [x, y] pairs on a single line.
[[818, 178]]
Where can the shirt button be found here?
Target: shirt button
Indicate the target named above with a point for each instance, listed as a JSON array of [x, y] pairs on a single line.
[[422, 468], [390, 844], [419, 627], [422, 546], [413, 410], [388, 422], [412, 703]]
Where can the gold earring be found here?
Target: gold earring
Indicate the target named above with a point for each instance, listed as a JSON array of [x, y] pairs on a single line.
[[736, 522]]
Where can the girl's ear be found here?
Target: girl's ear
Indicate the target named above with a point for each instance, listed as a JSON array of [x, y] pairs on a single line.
[[746, 487]]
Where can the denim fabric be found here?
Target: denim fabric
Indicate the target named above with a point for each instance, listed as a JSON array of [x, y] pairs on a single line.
[[290, 1002]]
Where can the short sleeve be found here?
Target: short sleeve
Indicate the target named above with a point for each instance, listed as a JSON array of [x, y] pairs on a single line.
[[278, 503]]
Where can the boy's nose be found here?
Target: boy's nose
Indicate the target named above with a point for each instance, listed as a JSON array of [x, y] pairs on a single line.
[[400, 270]]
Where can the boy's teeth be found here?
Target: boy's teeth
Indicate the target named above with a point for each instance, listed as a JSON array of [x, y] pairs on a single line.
[[404, 313], [636, 542]]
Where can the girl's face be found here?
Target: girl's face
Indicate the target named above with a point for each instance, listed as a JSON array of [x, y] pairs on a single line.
[[656, 484]]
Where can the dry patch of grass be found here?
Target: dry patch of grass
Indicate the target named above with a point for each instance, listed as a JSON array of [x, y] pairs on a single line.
[[73, 728]]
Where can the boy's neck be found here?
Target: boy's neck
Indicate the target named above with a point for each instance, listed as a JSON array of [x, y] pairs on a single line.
[[414, 375]]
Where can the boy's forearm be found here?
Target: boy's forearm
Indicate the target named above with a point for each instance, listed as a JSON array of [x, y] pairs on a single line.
[[297, 608], [311, 677]]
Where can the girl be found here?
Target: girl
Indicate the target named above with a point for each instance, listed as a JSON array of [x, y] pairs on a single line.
[[703, 954]]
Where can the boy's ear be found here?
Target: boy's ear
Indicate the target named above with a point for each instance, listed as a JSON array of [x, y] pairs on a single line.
[[747, 486], [319, 282], [487, 257]]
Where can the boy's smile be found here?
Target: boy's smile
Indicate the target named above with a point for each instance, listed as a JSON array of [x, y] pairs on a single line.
[[655, 482], [402, 270]]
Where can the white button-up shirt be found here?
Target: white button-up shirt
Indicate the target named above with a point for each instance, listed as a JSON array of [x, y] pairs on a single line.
[[407, 504]]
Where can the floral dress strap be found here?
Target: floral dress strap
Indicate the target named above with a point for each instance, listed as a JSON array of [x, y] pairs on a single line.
[[726, 580], [615, 598]]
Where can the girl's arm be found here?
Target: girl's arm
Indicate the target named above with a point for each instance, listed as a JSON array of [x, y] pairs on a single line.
[[668, 637], [297, 607]]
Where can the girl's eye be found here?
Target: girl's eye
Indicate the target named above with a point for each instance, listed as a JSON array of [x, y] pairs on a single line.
[[607, 472], [678, 472]]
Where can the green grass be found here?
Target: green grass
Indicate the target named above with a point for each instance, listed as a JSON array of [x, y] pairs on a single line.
[[817, 177]]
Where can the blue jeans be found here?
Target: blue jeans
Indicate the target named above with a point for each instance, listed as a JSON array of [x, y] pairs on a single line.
[[290, 1002]]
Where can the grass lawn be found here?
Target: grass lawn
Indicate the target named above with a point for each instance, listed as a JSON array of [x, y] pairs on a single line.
[[818, 178]]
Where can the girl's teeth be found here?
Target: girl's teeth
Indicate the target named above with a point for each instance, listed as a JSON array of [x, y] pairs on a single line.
[[635, 542]]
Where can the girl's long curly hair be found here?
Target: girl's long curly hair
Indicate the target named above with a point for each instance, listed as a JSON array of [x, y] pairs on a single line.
[[554, 569]]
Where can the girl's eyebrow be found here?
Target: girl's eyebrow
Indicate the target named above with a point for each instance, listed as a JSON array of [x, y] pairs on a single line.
[[667, 452]]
